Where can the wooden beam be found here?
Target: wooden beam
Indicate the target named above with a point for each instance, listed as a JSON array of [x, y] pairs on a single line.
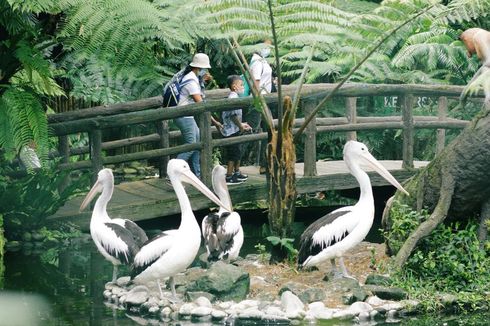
[[351, 115], [441, 115], [310, 140], [407, 103], [95, 139], [163, 142], [204, 121]]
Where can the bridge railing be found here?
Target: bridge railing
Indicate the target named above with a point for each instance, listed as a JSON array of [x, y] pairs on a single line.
[[96, 119]]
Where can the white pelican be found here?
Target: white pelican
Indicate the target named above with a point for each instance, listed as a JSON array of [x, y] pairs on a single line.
[[222, 232], [335, 233], [173, 251], [118, 240]]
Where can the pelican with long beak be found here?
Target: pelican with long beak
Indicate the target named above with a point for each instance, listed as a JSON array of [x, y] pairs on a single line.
[[222, 231], [173, 251], [337, 232], [118, 240]]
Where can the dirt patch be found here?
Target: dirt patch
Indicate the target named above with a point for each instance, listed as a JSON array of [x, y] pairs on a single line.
[[359, 263]]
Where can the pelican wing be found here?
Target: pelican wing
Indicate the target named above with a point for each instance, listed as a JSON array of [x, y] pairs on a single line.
[[122, 244], [152, 250], [325, 232], [229, 225], [209, 230], [139, 235]]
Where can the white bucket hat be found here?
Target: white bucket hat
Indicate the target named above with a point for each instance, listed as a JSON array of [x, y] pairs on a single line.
[[200, 60]]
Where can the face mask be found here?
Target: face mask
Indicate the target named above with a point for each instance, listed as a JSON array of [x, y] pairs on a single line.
[[240, 91], [202, 72], [264, 53]]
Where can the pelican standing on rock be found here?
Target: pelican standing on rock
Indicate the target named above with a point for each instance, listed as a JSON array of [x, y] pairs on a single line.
[[118, 240], [222, 231], [335, 233], [173, 251]]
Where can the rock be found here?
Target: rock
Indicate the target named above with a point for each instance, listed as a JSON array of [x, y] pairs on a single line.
[[374, 314], [390, 306], [294, 287], [410, 307], [218, 314], [193, 296], [391, 316], [201, 311], [186, 309], [376, 279], [153, 309], [37, 236], [350, 287], [123, 281], [357, 307], [137, 296], [130, 171], [166, 311], [251, 313], [317, 310], [364, 316], [375, 301], [387, 293], [447, 299], [203, 260], [13, 245], [258, 281], [26, 236], [203, 302], [343, 315], [116, 290], [312, 295], [225, 281], [272, 312], [291, 305], [107, 294]]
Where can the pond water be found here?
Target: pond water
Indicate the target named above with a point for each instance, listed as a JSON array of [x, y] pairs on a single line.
[[64, 285]]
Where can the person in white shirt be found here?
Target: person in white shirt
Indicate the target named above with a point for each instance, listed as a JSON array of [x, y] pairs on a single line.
[[262, 76], [191, 92]]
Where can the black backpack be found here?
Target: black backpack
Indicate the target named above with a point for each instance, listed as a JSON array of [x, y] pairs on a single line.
[[172, 89]]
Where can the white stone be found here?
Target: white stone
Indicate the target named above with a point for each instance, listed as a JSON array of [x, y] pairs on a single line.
[[218, 314], [201, 311], [316, 305], [122, 299], [153, 309], [291, 304], [390, 306], [114, 298], [118, 291], [226, 304], [391, 314], [249, 303], [252, 313], [257, 281], [107, 294], [186, 309], [138, 295], [357, 307], [110, 285], [343, 314], [364, 316], [373, 314], [203, 302], [164, 302], [375, 301], [166, 312], [123, 281], [274, 311]]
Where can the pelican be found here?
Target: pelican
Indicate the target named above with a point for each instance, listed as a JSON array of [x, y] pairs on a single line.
[[222, 232], [118, 240], [173, 251], [335, 233]]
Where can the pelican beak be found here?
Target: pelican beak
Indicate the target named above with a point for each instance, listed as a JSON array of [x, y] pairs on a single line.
[[372, 162], [189, 177], [96, 188]]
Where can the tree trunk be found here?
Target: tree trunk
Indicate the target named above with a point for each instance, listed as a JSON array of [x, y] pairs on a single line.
[[281, 158], [455, 184]]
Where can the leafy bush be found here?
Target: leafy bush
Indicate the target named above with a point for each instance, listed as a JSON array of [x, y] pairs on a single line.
[[26, 202], [449, 259]]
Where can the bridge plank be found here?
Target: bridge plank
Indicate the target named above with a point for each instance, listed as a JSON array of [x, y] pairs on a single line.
[[152, 198]]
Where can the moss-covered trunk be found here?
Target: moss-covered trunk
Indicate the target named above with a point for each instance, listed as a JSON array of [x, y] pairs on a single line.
[[2, 245], [454, 185], [281, 158]]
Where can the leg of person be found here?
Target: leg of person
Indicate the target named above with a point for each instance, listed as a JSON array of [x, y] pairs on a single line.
[[185, 126], [238, 155], [230, 155], [196, 156], [253, 118]]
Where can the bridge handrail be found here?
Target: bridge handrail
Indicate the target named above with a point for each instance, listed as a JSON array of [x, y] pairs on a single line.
[[93, 120]]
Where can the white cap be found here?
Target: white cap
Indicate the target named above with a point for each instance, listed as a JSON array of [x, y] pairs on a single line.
[[200, 60]]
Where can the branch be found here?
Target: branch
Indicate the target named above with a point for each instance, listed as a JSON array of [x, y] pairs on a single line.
[[346, 78]]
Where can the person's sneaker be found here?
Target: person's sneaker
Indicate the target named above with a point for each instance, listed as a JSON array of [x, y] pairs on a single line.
[[233, 180], [240, 176]]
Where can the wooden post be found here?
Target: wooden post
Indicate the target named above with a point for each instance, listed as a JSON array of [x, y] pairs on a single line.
[[407, 102], [162, 130], [351, 114], [441, 133], [64, 152], [310, 141], [95, 143], [204, 122]]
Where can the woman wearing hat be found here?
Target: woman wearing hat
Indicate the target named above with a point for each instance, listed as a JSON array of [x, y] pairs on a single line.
[[191, 92]]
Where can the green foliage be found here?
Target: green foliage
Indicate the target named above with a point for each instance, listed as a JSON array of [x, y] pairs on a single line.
[[285, 243], [450, 259], [28, 201]]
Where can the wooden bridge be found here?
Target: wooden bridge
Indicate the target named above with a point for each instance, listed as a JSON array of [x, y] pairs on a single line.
[[153, 197]]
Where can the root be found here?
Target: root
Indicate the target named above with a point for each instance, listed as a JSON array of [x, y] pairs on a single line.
[[424, 229]]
